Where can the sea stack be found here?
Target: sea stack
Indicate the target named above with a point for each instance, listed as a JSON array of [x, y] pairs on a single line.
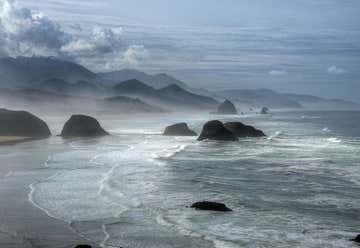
[[211, 206], [215, 130], [82, 126], [264, 111], [179, 129], [227, 108], [241, 130], [22, 124]]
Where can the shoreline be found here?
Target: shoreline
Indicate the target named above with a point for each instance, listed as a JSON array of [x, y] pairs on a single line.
[[23, 224]]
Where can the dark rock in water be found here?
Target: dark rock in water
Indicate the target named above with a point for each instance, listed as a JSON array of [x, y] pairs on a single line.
[[264, 111], [241, 130], [82, 126], [215, 130], [356, 240], [22, 123], [180, 129], [211, 206], [83, 246], [227, 108]]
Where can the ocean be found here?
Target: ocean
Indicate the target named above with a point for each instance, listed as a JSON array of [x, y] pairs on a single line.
[[298, 187]]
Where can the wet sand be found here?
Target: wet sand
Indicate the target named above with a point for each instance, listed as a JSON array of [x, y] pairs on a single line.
[[21, 223]]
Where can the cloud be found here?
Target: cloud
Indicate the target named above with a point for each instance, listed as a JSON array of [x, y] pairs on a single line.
[[101, 41], [336, 70], [277, 72], [135, 54], [26, 33]]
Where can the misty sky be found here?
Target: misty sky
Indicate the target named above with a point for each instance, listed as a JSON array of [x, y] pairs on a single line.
[[305, 46]]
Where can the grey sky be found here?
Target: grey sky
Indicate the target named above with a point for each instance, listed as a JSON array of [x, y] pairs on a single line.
[[305, 46]]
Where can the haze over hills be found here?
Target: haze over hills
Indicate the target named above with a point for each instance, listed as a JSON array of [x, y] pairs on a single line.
[[156, 81], [172, 95], [22, 71], [51, 78]]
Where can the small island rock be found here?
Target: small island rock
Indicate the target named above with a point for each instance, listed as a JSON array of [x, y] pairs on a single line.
[[22, 123], [241, 130], [179, 129], [215, 130], [82, 126], [211, 206], [227, 108], [264, 111]]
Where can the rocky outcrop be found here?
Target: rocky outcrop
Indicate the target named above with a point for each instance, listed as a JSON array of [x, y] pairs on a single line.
[[179, 129], [264, 111], [22, 123], [82, 126], [241, 130], [227, 108], [356, 240], [215, 130], [211, 206]]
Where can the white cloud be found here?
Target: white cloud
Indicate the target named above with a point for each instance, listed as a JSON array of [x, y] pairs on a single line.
[[336, 70], [277, 72], [26, 33], [135, 54]]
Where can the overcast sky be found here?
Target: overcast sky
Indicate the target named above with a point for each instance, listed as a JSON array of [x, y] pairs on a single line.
[[305, 46]]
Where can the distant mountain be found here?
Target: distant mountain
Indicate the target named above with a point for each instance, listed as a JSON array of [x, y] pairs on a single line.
[[130, 105], [265, 97], [315, 102], [79, 88], [260, 98], [156, 81], [178, 94], [172, 96], [24, 71]]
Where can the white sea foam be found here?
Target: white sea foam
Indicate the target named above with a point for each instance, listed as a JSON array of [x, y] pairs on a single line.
[[334, 140], [276, 135]]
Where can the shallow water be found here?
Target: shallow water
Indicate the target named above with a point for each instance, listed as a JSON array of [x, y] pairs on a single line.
[[299, 187]]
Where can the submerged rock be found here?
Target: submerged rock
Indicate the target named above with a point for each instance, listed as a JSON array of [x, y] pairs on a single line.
[[215, 130], [211, 206], [82, 126], [227, 108], [22, 123], [179, 129], [241, 130], [264, 111], [356, 240], [83, 246]]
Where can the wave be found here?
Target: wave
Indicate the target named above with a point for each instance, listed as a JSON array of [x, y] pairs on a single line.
[[276, 135], [169, 152], [326, 130], [334, 140]]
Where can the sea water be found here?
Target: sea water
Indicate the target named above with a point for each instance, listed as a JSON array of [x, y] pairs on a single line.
[[297, 187]]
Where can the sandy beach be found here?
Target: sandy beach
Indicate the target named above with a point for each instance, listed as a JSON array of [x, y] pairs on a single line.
[[22, 224]]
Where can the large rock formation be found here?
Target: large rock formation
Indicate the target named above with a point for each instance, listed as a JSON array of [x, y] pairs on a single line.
[[180, 129], [227, 108], [357, 239], [241, 130], [22, 123], [82, 126], [211, 206], [215, 130]]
